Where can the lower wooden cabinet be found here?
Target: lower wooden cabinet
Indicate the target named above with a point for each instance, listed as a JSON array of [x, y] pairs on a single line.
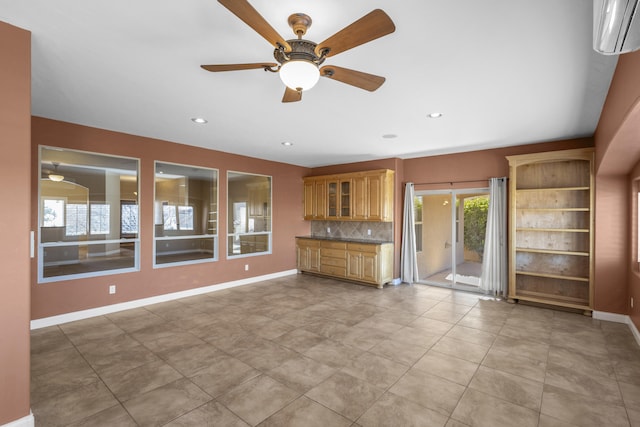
[[368, 263]]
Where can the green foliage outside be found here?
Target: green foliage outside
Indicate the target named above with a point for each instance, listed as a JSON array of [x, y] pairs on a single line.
[[475, 223]]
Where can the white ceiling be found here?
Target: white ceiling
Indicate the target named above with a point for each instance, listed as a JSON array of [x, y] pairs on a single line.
[[502, 72]]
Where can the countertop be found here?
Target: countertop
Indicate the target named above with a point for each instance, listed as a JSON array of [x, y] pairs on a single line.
[[345, 239]]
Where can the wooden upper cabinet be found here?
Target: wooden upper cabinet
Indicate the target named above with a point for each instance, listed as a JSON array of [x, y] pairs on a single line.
[[315, 199], [358, 196]]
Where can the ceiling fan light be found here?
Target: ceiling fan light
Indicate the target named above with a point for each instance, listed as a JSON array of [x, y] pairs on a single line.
[[56, 177], [299, 74]]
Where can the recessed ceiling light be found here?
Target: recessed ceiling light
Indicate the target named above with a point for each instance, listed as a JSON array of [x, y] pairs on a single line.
[[434, 115], [199, 120], [287, 144], [389, 136]]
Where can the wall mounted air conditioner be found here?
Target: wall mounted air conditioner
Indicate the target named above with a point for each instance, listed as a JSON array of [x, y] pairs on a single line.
[[616, 26]]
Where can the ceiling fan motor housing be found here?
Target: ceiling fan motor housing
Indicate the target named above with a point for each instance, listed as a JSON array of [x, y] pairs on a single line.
[[301, 50]]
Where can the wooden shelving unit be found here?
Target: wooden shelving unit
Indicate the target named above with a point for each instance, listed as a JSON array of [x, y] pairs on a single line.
[[551, 228]]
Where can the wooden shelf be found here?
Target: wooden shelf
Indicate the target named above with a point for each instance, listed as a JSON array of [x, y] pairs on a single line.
[[560, 230], [553, 276], [545, 189], [551, 228], [552, 251], [542, 297], [555, 209]]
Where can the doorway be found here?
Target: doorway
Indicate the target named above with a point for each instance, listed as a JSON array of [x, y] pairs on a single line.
[[450, 234]]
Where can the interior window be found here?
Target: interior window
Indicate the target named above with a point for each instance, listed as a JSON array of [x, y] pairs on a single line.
[[186, 204], [77, 191], [249, 214]]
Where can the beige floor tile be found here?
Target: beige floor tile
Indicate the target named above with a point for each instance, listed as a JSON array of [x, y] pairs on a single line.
[[190, 360], [482, 410], [332, 353], [416, 336], [461, 349], [49, 339], [224, 373], [141, 379], [305, 412], [357, 342], [471, 335], [399, 351], [547, 421], [515, 364], [210, 414], [84, 331], [301, 373], [480, 323], [522, 347], [362, 338], [450, 368], [258, 398], [299, 340], [346, 395], [74, 405], [581, 362], [580, 410], [166, 403], [590, 385], [392, 410], [509, 387], [634, 417], [630, 395], [114, 416], [376, 370], [429, 390]]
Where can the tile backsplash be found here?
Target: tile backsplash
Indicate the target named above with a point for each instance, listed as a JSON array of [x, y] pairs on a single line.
[[380, 231]]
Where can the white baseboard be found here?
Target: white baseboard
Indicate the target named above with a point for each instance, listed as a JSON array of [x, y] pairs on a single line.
[[618, 318], [27, 421], [100, 311]]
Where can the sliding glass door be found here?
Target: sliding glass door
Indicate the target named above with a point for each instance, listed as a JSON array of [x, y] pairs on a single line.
[[450, 233]]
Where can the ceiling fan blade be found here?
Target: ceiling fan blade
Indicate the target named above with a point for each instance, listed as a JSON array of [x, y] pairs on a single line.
[[243, 10], [235, 67], [370, 27], [355, 78], [291, 95]]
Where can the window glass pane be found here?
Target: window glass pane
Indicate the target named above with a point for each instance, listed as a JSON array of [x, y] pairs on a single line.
[[129, 219], [249, 215], [76, 220], [99, 219], [80, 195], [52, 213], [169, 217], [186, 213], [185, 217]]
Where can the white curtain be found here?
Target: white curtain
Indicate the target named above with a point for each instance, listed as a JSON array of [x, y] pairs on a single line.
[[494, 264], [408, 257]]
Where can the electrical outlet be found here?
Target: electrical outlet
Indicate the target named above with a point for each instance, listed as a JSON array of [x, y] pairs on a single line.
[[246, 267], [328, 229], [368, 232], [112, 289]]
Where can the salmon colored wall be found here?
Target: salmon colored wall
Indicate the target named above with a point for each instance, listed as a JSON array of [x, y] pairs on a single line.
[[49, 299], [617, 156], [15, 128]]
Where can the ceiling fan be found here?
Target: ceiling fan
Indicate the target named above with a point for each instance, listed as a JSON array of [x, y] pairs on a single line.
[[299, 60]]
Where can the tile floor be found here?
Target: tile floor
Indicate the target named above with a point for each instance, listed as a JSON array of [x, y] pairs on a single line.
[[307, 351]]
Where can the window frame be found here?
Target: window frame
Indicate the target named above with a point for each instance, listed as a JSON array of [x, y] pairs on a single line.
[[230, 234], [82, 244], [158, 215]]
